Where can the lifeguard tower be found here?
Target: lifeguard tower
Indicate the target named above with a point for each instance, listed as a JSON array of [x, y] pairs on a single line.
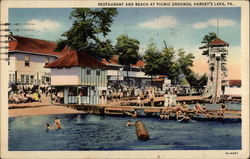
[[217, 69]]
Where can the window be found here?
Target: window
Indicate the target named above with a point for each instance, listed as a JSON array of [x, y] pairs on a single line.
[[73, 91], [83, 91], [98, 72], [14, 77], [43, 79], [10, 78], [47, 79], [88, 71], [32, 79], [46, 60], [8, 59], [27, 79], [26, 61], [22, 78]]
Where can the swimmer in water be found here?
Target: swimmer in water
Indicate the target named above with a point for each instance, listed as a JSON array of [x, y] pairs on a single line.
[[129, 123], [48, 127], [57, 124], [186, 118], [134, 115]]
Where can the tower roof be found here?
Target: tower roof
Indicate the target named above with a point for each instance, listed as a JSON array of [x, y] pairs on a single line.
[[218, 42]]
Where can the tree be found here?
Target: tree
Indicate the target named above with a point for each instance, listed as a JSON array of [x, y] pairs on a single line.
[[151, 57], [202, 81], [167, 64], [88, 26], [185, 61], [184, 82], [192, 79], [206, 40], [127, 50]]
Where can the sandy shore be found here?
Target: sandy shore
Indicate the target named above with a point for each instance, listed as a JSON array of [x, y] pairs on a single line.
[[43, 110]]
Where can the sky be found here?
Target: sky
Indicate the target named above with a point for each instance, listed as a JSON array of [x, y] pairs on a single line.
[[179, 27]]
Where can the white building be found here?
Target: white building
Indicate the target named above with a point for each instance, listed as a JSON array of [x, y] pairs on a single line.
[[117, 73], [82, 78], [234, 88], [27, 58]]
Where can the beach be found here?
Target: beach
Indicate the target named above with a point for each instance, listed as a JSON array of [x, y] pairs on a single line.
[[42, 110]]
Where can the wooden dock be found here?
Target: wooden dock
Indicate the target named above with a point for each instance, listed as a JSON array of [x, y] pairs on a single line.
[[147, 111], [128, 106]]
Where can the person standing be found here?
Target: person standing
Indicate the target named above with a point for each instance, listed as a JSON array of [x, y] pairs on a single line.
[[170, 99], [166, 99], [221, 110], [174, 96], [35, 97], [151, 98]]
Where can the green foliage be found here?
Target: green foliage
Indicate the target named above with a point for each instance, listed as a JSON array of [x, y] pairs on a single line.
[[202, 81], [209, 38], [196, 80], [184, 82], [127, 49], [88, 26], [206, 40], [185, 61], [152, 57], [167, 62]]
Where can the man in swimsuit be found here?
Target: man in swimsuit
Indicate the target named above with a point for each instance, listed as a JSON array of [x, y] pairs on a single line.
[[57, 123]]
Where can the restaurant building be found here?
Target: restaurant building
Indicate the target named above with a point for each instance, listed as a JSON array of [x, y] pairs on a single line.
[[27, 58]]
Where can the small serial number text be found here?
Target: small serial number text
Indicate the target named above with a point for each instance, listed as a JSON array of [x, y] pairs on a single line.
[[231, 153]]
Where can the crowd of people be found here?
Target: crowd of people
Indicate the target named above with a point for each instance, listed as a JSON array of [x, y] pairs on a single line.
[[26, 94], [18, 94]]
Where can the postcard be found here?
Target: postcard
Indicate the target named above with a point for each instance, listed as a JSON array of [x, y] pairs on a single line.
[[124, 79]]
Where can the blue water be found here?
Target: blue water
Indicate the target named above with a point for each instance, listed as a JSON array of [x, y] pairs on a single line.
[[93, 132]]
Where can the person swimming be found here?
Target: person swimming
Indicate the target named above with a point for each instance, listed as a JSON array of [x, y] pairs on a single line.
[[185, 118], [48, 127], [57, 124], [129, 123], [134, 115]]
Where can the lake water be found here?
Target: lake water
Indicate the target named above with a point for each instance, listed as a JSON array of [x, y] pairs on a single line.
[[93, 132]]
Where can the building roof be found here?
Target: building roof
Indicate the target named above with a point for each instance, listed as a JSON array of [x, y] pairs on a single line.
[[235, 83], [218, 42], [162, 76], [114, 61], [158, 80], [36, 46], [76, 59]]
